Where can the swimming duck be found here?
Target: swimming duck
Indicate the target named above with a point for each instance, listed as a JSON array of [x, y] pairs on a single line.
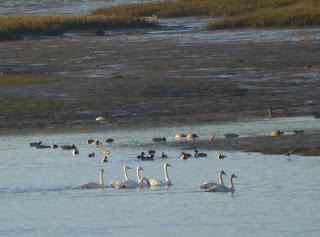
[[68, 147], [221, 156], [184, 156], [35, 144], [75, 152], [140, 157], [109, 140], [163, 156], [197, 154], [179, 136]]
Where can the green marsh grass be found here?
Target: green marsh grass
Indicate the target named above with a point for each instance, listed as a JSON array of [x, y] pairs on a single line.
[[13, 25], [23, 80], [234, 13], [21, 105]]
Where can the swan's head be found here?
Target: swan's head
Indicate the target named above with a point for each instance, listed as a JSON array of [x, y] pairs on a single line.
[[101, 171], [147, 182], [233, 176], [166, 165], [139, 168], [126, 167], [222, 172]]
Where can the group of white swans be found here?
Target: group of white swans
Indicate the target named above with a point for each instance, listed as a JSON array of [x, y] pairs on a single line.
[[144, 182]]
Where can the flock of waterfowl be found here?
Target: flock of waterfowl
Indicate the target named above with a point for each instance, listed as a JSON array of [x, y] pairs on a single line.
[[144, 156], [142, 182]]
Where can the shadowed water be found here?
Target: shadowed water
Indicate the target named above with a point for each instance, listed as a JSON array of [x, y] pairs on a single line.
[[40, 195]]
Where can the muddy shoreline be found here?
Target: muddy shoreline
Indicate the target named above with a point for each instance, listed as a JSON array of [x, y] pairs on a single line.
[[300, 144]]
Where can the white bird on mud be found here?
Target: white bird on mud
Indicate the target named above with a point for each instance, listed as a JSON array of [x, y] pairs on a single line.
[[222, 188], [93, 184], [166, 182], [101, 118], [207, 185]]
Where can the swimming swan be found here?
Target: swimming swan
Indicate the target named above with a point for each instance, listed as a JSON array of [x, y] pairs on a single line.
[[207, 185], [155, 182], [222, 188], [93, 184], [119, 183], [130, 183]]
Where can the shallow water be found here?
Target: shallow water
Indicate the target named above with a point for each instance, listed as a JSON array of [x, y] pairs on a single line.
[[58, 6], [40, 196]]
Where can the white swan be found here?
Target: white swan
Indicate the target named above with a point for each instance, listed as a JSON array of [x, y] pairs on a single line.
[[207, 185], [119, 183], [93, 184], [222, 188], [155, 182], [141, 181]]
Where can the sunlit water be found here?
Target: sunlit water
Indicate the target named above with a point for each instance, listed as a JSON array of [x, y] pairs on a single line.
[[274, 196]]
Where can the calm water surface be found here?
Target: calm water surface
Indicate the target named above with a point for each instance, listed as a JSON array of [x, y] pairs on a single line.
[[58, 6], [39, 192]]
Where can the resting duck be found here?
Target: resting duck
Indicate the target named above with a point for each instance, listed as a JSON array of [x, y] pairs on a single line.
[[91, 155]]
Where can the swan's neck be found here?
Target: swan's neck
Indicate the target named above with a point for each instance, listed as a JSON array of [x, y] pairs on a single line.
[[231, 186], [146, 181], [220, 178], [101, 178], [166, 177], [138, 175], [125, 173]]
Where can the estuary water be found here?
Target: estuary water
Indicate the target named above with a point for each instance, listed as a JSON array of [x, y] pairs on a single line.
[[40, 195], [58, 6]]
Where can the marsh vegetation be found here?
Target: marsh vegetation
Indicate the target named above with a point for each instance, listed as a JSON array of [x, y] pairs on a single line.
[[234, 13], [13, 26]]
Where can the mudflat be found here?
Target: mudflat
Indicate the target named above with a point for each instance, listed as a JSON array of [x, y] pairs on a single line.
[[147, 77]]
